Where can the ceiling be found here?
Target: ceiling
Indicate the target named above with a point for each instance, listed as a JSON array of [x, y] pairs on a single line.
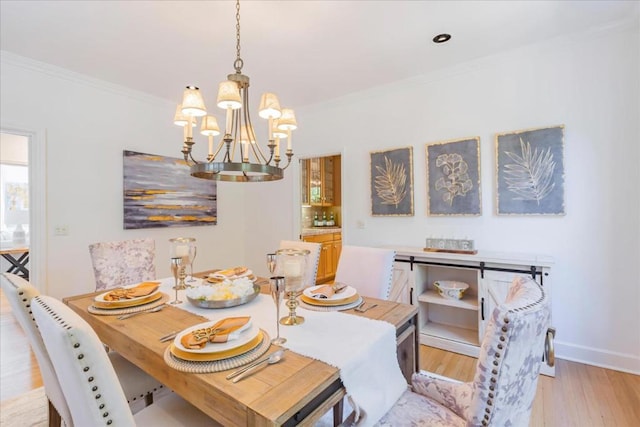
[[304, 51]]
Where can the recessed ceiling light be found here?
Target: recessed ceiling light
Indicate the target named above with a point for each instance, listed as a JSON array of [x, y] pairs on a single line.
[[441, 38]]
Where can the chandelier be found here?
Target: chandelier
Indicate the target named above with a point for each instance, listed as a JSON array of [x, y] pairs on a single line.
[[238, 156]]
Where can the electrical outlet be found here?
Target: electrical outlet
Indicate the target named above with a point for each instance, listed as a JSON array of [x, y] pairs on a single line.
[[61, 230]]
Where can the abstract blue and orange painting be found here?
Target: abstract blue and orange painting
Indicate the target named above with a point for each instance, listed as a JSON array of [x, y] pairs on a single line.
[[160, 192]]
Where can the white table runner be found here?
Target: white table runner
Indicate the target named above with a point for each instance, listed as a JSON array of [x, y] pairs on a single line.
[[363, 349]]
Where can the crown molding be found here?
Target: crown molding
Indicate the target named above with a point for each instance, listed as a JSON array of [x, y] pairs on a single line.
[[11, 59]]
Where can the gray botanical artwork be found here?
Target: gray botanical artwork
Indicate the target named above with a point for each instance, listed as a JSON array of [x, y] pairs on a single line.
[[392, 182], [453, 177], [530, 172]]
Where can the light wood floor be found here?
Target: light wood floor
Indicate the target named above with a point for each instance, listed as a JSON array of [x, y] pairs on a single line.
[[580, 395]]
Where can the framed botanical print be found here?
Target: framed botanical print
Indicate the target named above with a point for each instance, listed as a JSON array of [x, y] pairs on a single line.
[[392, 182], [453, 177], [530, 172]]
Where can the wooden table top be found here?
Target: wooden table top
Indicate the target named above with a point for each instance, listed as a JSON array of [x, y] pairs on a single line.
[[295, 392]]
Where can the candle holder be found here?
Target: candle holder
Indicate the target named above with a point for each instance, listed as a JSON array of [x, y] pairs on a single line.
[[291, 265], [183, 248]]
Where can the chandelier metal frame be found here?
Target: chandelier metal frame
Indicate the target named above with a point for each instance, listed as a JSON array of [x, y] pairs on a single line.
[[239, 136]]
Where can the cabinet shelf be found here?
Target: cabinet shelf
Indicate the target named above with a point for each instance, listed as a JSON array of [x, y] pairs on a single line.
[[468, 302], [452, 333], [459, 325]]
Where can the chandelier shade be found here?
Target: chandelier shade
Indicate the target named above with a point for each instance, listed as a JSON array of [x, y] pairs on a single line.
[[193, 103]]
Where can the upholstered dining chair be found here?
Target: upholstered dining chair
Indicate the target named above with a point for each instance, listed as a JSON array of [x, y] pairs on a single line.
[[88, 380], [123, 262], [369, 270], [314, 257], [504, 386], [137, 385]]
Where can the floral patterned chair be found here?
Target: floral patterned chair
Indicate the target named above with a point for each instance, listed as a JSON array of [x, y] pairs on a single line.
[[123, 262], [504, 385]]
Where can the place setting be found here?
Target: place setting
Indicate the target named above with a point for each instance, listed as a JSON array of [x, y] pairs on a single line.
[[136, 298], [217, 345], [331, 297]]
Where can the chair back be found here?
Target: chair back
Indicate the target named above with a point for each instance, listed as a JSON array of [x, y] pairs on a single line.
[[88, 380], [312, 261], [20, 293], [511, 352], [369, 270], [123, 262]]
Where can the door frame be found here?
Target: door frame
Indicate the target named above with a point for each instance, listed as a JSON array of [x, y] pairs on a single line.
[[37, 164]]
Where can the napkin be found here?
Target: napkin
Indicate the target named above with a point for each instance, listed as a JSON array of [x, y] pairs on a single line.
[[142, 290], [323, 292], [231, 272], [222, 331]]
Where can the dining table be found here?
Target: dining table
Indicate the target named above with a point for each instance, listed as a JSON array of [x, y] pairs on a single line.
[[298, 390]]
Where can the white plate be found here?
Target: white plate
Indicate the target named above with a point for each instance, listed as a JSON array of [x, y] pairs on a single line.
[[347, 293], [100, 298], [247, 333], [220, 276]]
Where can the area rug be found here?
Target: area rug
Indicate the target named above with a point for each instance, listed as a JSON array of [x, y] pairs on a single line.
[[27, 410]]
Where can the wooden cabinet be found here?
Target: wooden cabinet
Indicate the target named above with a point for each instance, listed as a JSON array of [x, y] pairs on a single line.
[[329, 254], [458, 325], [321, 181]]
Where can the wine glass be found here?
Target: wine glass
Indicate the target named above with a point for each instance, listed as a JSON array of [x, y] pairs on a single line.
[[276, 286], [176, 266], [192, 256], [271, 262]]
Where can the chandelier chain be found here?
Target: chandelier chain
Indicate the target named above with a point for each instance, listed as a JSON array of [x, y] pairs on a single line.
[[238, 62]]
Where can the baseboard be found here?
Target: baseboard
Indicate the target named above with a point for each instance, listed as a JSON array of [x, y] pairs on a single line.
[[602, 358]]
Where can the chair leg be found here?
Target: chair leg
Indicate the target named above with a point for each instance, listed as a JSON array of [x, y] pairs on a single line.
[[337, 413], [55, 420]]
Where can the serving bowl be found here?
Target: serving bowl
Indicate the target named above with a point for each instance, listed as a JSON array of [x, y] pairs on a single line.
[[451, 289], [223, 303]]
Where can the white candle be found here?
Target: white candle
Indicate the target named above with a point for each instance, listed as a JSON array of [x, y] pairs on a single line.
[[228, 125], [277, 151], [211, 145], [291, 268], [182, 251], [190, 128], [289, 139], [270, 128]]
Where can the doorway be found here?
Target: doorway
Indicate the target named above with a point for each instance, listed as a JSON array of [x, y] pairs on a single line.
[[22, 202], [321, 215]]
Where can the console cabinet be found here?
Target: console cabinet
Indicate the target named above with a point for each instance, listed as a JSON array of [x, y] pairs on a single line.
[[458, 325]]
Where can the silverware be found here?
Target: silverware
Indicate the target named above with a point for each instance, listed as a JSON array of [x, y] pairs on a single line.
[[151, 310], [168, 337], [357, 308], [362, 309], [273, 358], [253, 364]]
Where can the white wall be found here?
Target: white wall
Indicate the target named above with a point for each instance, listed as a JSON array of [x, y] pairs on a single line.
[[589, 83], [87, 124]]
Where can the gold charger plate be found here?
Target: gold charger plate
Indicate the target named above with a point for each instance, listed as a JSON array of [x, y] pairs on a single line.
[[320, 302], [128, 303], [207, 357]]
